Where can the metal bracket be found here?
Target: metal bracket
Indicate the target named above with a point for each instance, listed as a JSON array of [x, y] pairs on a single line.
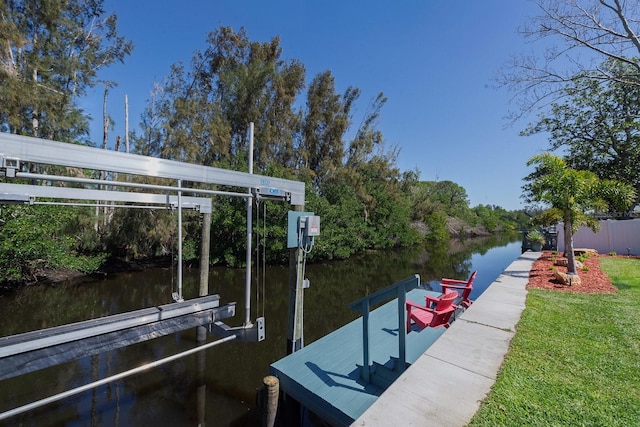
[[10, 198], [271, 193], [9, 165], [251, 333]]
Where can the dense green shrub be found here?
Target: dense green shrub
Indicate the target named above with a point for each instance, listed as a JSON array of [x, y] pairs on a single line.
[[40, 237]]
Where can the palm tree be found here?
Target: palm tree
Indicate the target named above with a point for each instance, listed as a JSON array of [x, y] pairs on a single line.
[[573, 196]]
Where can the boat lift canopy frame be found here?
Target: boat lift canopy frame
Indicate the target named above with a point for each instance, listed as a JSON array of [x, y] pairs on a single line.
[[15, 149], [18, 149]]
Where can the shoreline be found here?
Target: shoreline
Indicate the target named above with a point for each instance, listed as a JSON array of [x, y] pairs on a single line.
[[112, 265]]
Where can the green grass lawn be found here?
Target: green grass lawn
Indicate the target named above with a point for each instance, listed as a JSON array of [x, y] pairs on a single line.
[[575, 359]]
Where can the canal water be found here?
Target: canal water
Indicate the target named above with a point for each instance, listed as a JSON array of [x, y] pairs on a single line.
[[216, 387]]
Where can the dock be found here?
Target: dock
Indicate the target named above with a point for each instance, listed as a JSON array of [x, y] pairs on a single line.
[[325, 375], [451, 370]]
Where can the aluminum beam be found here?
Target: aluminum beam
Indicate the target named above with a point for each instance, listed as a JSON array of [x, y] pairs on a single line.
[[48, 337], [37, 350], [22, 192], [28, 149]]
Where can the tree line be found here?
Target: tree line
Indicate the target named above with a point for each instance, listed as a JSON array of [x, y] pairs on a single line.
[[52, 52]]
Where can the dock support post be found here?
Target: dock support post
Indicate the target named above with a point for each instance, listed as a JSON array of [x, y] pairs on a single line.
[[201, 390], [295, 314], [271, 395], [205, 245]]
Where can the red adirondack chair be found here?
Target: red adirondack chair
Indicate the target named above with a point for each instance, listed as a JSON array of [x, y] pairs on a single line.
[[436, 312], [462, 287]]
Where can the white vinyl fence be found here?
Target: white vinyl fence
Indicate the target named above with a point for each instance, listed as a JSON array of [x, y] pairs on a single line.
[[619, 236]]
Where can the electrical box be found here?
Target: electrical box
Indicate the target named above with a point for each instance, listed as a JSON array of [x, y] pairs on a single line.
[[313, 225], [302, 228], [308, 228]]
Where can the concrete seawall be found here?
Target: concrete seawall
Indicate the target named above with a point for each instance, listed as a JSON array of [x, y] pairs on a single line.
[[445, 386]]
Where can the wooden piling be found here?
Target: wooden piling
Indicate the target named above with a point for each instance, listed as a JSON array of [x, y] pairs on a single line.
[[205, 243], [270, 402]]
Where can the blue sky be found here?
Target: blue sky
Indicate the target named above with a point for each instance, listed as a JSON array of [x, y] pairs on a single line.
[[435, 61]]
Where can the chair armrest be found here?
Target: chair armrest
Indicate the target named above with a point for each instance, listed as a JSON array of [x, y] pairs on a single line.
[[448, 286], [454, 281], [431, 300], [411, 304]]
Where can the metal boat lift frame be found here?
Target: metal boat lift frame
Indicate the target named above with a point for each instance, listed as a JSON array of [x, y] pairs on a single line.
[[27, 149], [16, 150]]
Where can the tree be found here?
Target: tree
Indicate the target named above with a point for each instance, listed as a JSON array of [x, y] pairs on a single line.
[[368, 137], [572, 196], [367, 165], [327, 118], [451, 196], [598, 126], [201, 113], [50, 53], [489, 216], [581, 35]]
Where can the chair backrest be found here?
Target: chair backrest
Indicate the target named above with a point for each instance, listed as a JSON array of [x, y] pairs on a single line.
[[462, 287], [446, 300], [444, 310], [472, 278], [467, 290]]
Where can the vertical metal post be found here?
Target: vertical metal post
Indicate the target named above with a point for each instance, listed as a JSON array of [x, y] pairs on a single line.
[[247, 297], [366, 369], [295, 315], [180, 299], [402, 328]]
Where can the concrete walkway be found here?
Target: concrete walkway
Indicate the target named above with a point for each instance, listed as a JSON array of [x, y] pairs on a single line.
[[445, 386]]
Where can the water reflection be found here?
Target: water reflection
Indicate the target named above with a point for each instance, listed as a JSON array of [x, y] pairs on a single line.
[[216, 387]]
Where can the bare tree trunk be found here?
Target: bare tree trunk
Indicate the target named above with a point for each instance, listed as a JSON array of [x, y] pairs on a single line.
[[105, 118], [34, 118], [110, 210], [105, 138], [126, 124]]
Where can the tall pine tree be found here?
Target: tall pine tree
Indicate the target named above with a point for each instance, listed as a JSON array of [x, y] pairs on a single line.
[[50, 53]]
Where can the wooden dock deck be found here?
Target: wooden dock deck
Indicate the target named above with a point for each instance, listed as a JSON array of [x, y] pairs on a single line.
[[325, 375]]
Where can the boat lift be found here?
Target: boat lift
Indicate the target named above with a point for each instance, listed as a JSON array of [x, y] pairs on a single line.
[[18, 151]]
